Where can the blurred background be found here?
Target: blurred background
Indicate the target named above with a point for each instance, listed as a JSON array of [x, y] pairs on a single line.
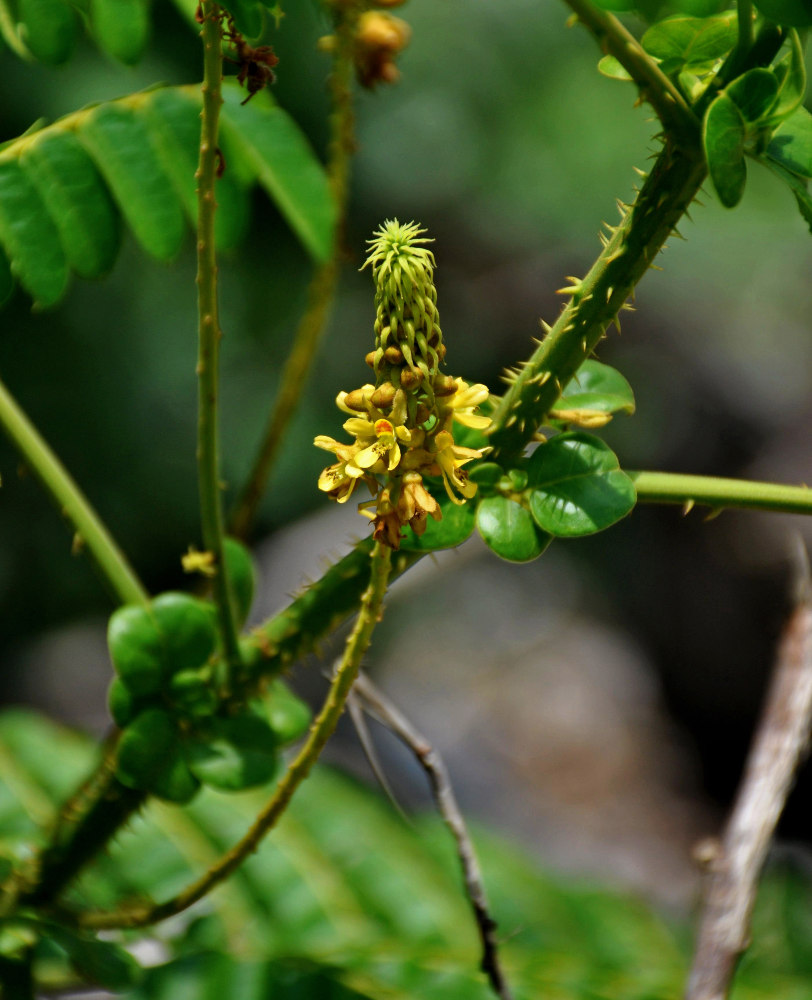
[[595, 704]]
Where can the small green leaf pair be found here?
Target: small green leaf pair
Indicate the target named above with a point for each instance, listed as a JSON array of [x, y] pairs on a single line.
[[159, 755], [571, 486]]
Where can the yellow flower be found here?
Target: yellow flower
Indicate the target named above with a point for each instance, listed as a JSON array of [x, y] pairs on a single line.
[[385, 448], [339, 480], [464, 401], [449, 457]]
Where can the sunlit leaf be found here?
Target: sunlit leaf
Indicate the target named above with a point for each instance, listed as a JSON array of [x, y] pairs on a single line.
[[791, 144], [509, 530], [596, 386], [576, 486], [455, 527], [690, 42]]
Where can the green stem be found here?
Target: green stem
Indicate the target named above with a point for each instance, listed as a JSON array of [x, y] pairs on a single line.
[[718, 493], [744, 15], [322, 287], [596, 300], [90, 531], [669, 104], [209, 333], [322, 729]]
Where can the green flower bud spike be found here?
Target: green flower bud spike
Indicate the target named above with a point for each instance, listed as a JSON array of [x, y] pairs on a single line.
[[406, 318], [402, 425]]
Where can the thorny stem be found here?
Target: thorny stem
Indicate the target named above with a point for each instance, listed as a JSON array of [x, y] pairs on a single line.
[[718, 493], [443, 792], [614, 39], [209, 333], [322, 287], [597, 299], [780, 742], [90, 532], [320, 731]]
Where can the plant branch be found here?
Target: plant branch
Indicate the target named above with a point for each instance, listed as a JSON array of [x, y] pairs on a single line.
[[91, 534], [614, 39], [780, 742], [445, 800], [323, 284], [597, 299], [718, 493], [320, 731], [209, 333]]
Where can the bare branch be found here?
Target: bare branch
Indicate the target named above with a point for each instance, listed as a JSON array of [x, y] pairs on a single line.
[[432, 763], [778, 747]]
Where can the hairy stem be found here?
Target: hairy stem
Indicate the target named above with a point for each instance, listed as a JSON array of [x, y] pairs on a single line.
[[718, 493], [91, 534], [613, 38], [322, 287], [209, 333], [321, 730]]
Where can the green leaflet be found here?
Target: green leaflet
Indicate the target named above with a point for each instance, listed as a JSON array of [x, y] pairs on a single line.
[[791, 144], [48, 29], [693, 43], [508, 529], [599, 387], [29, 236], [455, 527], [724, 136], [120, 27], [271, 144], [76, 199], [6, 279], [754, 93], [118, 139], [576, 486]]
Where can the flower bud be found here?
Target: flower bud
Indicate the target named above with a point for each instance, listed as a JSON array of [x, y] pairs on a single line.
[[383, 396]]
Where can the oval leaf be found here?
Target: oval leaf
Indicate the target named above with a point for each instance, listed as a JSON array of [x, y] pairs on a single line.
[[791, 144], [508, 530], [77, 200], [234, 753], [724, 136], [690, 42], [119, 141], [610, 67], [455, 527], [48, 29], [577, 487], [121, 27], [754, 94], [599, 387]]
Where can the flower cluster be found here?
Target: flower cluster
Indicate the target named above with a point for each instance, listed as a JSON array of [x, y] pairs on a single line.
[[402, 426]]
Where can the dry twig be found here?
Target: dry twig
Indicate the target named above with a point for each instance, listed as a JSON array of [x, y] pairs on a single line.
[[381, 707], [778, 747]]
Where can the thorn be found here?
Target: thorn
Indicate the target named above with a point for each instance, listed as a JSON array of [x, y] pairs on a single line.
[[713, 514], [609, 292], [545, 326], [688, 507], [640, 173], [572, 289]]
